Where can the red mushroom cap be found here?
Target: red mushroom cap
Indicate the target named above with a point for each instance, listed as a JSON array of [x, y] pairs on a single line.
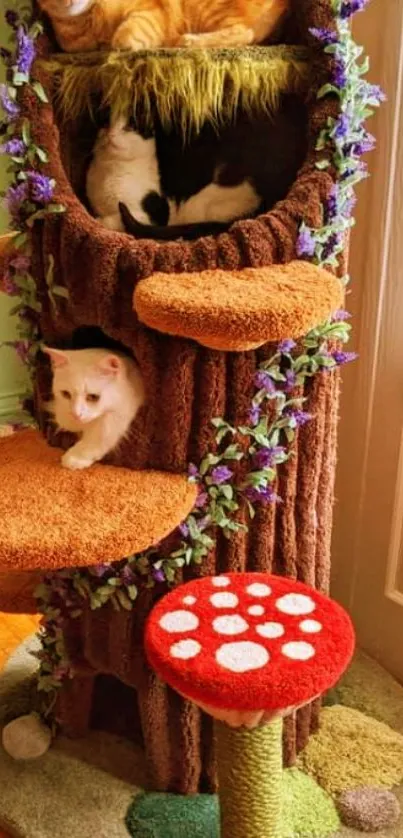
[[248, 641]]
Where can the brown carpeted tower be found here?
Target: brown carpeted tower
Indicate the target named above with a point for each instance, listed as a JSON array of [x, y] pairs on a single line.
[[200, 318]]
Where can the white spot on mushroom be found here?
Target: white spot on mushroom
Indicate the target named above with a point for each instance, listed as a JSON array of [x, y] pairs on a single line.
[[185, 649], [189, 600], [176, 621], [258, 589], [224, 600], [310, 626], [242, 656], [295, 604], [270, 630], [220, 581], [298, 650], [256, 610], [230, 624]]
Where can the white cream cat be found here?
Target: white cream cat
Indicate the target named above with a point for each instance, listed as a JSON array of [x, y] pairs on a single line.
[[96, 394]]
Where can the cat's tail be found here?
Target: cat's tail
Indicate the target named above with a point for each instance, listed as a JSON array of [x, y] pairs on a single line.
[[180, 231]]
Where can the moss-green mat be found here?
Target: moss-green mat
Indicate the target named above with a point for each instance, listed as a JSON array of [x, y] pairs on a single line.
[[85, 789]]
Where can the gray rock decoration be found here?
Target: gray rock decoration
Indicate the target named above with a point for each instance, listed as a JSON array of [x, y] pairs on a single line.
[[369, 809]]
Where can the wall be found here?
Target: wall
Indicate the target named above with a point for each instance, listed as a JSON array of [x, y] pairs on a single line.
[[13, 380]]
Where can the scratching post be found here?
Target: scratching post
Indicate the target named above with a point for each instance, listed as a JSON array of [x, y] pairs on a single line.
[[249, 779], [247, 648], [238, 338]]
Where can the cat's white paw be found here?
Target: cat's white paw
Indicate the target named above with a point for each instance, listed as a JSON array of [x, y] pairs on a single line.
[[74, 461], [189, 41]]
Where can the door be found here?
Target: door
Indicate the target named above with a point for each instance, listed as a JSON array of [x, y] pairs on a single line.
[[368, 534]]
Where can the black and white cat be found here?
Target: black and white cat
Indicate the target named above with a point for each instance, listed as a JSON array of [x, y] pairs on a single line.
[[158, 187]]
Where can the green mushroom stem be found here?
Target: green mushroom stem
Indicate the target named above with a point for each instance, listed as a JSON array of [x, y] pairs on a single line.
[[250, 767]]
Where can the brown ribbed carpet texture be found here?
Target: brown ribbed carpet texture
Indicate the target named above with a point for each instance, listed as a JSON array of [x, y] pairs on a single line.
[[239, 310], [187, 386], [53, 518]]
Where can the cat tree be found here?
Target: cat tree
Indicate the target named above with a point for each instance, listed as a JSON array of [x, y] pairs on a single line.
[[199, 317]]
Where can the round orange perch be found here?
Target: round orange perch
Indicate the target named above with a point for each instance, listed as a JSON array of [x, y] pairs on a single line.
[[51, 517], [239, 310]]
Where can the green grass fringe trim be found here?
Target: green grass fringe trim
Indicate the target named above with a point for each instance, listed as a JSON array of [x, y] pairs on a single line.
[[186, 87]]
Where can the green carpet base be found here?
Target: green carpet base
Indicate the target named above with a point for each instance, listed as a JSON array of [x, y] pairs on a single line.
[[96, 786], [307, 811]]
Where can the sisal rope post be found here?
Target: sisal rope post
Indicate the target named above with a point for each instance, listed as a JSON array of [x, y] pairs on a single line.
[[249, 776]]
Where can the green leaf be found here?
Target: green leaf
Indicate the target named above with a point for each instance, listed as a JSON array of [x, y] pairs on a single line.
[[123, 600], [41, 154], [26, 132], [60, 291], [39, 91], [326, 89], [133, 592], [20, 78], [322, 164], [227, 491]]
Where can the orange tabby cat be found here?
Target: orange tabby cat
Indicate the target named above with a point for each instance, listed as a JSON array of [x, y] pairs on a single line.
[[143, 24]]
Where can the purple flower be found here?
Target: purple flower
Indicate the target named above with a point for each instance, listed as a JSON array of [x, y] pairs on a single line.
[[330, 246], [201, 499], [99, 570], [221, 474], [11, 17], [20, 263], [305, 243], [127, 575], [367, 143], [349, 204], [265, 494], [264, 382], [342, 126], [60, 672], [26, 51], [286, 346], [14, 147], [340, 316], [22, 348], [41, 187], [9, 105], [8, 285], [291, 380], [15, 197], [158, 575], [300, 417], [254, 414], [344, 357], [339, 73], [332, 204], [350, 7], [193, 470], [372, 91], [266, 456], [326, 36], [184, 530], [204, 522]]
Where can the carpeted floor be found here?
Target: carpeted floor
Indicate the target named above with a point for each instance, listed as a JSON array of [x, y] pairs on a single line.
[[83, 789]]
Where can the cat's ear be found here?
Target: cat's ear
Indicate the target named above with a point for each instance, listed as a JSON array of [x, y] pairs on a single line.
[[57, 356], [110, 365]]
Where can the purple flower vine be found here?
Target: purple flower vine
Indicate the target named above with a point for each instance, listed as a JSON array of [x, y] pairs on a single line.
[[344, 140], [30, 194]]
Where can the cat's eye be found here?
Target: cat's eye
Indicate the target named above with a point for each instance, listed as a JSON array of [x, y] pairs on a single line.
[[92, 397], [65, 394]]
